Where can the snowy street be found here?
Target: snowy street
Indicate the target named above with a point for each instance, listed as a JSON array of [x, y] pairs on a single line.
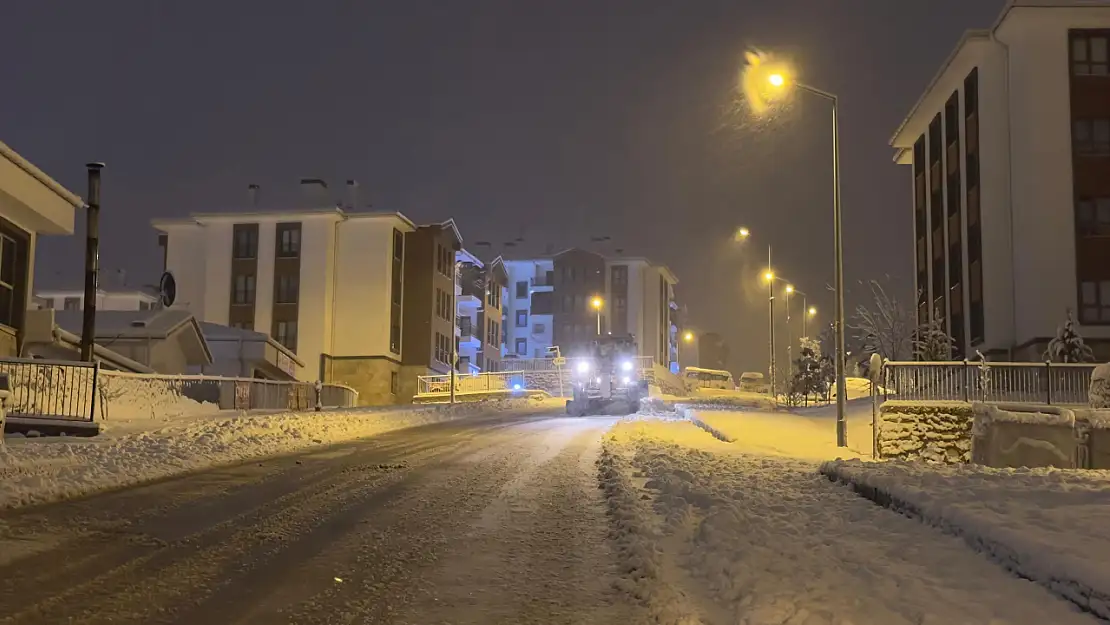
[[488, 519]]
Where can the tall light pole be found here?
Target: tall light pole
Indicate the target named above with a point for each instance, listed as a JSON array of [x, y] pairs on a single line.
[[596, 302], [811, 311], [789, 338], [742, 234], [779, 80]]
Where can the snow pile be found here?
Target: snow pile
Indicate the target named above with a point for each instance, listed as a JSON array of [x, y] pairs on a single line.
[[39, 470], [135, 397], [1098, 395], [754, 540], [932, 431], [1047, 525]]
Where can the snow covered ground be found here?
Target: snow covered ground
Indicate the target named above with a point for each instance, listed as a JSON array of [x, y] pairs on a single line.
[[36, 470], [1046, 524], [712, 534], [800, 433]]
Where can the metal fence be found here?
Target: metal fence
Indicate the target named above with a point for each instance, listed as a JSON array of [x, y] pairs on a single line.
[[470, 383], [1024, 382], [643, 363], [525, 374], [59, 389]]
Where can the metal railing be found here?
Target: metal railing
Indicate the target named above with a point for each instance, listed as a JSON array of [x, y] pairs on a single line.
[[1023, 382], [642, 363], [62, 389], [524, 374], [51, 389], [467, 383]]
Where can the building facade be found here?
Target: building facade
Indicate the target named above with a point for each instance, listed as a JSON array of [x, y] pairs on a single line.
[[1009, 149], [31, 203], [73, 299], [552, 303], [326, 284]]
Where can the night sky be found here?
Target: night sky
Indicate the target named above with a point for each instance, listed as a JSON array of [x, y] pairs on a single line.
[[551, 121]]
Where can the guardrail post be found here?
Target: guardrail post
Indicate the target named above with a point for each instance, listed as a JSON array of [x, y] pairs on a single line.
[[92, 401], [1048, 381]]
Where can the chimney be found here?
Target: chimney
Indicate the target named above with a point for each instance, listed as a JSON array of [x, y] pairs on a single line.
[[252, 195], [352, 194], [314, 192]]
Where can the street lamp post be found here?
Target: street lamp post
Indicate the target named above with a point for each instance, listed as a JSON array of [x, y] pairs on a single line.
[[778, 80], [789, 338], [596, 303]]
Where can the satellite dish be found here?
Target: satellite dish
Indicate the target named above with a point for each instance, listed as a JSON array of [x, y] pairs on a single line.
[[167, 289]]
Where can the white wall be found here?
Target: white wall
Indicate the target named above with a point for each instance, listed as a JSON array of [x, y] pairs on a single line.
[[187, 258], [314, 328], [264, 279], [363, 264], [216, 247]]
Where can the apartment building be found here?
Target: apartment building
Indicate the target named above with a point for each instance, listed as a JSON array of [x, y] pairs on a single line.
[[1009, 149], [551, 303], [428, 331], [480, 294], [31, 204], [327, 284], [74, 299]]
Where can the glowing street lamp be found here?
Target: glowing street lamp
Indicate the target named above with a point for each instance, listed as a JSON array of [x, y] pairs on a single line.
[[597, 302], [688, 337], [763, 80]]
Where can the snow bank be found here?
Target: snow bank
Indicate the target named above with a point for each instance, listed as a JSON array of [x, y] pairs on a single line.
[[811, 436], [932, 431], [1046, 525], [753, 539], [40, 470]]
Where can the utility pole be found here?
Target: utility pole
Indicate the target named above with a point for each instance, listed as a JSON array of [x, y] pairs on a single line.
[[771, 319], [92, 261]]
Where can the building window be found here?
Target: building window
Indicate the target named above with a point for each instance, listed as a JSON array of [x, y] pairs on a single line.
[[522, 347], [394, 383], [395, 337], [493, 294], [619, 275], [288, 240], [288, 289], [539, 328], [48, 303], [1092, 217], [1095, 299], [286, 334], [70, 303], [1089, 54], [444, 263], [521, 290], [522, 318], [245, 241], [1091, 136], [244, 290], [242, 325]]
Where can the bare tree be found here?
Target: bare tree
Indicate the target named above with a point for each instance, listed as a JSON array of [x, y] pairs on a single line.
[[885, 327]]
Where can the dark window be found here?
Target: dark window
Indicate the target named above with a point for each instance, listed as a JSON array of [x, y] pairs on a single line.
[[541, 303], [242, 325], [1089, 54], [1095, 302], [245, 241], [522, 318], [287, 334], [395, 338], [48, 304], [288, 289], [521, 289], [394, 383], [288, 240], [522, 347], [974, 229], [1091, 136], [70, 303], [493, 294], [398, 266], [244, 290], [1092, 217], [619, 275]]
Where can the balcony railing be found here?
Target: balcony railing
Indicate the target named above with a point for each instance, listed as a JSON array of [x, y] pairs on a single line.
[[541, 281]]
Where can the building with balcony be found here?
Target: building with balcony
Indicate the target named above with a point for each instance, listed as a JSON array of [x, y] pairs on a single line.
[[1009, 151], [481, 293], [551, 304], [31, 204]]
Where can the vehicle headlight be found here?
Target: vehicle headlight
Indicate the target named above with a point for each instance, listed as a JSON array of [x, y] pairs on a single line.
[[626, 365], [626, 380], [583, 367]]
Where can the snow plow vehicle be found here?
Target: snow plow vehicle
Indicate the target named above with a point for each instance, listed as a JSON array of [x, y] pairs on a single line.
[[607, 375]]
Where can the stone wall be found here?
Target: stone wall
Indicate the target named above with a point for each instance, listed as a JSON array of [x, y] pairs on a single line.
[[930, 431], [371, 377], [1014, 436]]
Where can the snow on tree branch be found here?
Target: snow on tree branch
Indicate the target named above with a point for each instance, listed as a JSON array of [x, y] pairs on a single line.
[[1068, 345], [885, 327]]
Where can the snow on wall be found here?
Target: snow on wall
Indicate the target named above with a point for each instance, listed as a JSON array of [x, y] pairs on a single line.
[[1098, 394], [132, 397], [929, 431]]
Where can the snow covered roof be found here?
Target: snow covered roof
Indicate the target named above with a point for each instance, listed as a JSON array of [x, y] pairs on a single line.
[[217, 332], [199, 218], [126, 325]]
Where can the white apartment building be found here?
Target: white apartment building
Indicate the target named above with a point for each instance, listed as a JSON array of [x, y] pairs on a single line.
[[1010, 154], [74, 299], [529, 308], [325, 283], [550, 304], [31, 204]]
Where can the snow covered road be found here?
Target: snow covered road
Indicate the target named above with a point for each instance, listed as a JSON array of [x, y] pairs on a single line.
[[752, 539], [494, 519]]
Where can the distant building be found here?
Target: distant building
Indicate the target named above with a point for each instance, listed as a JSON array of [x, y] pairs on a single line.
[[1010, 154], [712, 352], [551, 304], [31, 203], [480, 292], [74, 299]]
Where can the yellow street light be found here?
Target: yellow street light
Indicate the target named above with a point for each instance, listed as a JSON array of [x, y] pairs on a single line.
[[596, 302], [812, 311], [776, 80], [689, 336], [790, 288], [768, 276]]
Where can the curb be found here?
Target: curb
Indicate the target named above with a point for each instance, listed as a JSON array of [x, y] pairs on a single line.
[[1087, 599]]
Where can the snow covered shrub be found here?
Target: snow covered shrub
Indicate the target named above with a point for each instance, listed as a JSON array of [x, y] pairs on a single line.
[[931, 343], [1068, 345], [1098, 395]]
